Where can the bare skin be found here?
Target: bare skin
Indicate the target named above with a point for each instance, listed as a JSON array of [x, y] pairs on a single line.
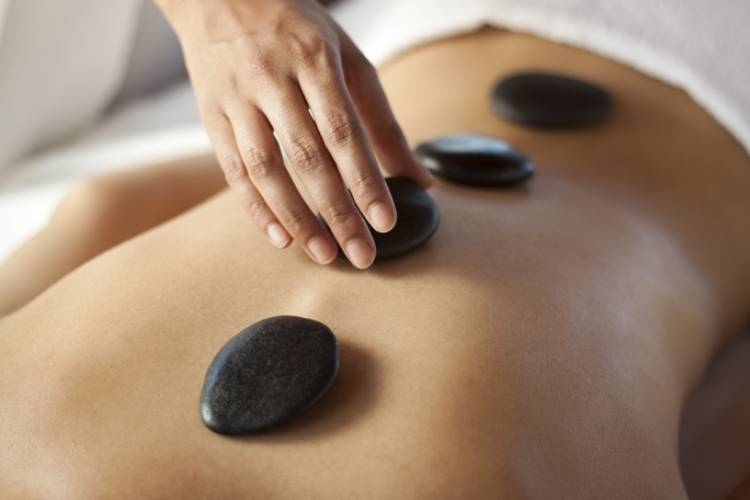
[[715, 441], [542, 345], [284, 67]]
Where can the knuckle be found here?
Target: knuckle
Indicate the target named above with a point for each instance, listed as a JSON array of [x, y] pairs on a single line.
[[311, 46], [365, 183], [261, 71], [305, 155], [259, 162], [338, 216], [341, 129], [261, 63], [256, 208], [232, 168], [294, 220]]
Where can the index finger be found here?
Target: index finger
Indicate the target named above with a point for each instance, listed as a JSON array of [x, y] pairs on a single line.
[[343, 135]]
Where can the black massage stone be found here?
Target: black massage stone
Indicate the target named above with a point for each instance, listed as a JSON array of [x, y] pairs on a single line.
[[269, 373], [550, 100], [474, 159], [418, 219]]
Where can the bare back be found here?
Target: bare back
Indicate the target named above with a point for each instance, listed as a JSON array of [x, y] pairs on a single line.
[[538, 334]]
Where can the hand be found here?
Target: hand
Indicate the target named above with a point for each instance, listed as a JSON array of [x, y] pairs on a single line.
[[261, 67]]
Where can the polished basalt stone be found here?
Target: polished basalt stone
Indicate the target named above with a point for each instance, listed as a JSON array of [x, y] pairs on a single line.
[[550, 100], [474, 159], [267, 374], [418, 219]]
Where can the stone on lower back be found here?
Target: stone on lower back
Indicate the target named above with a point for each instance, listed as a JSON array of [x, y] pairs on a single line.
[[267, 374]]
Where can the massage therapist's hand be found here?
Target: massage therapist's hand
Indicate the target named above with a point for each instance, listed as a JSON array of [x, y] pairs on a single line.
[[260, 67]]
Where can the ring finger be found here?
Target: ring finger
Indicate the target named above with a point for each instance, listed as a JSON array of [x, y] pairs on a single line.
[[311, 161], [264, 165]]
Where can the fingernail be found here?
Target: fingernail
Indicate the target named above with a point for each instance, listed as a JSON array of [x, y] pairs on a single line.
[[381, 216], [360, 253], [321, 249], [277, 235]]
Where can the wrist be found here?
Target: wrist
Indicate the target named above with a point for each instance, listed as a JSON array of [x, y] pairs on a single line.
[[177, 12], [215, 20]]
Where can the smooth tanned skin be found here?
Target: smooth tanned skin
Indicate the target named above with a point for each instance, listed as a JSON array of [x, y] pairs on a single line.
[[541, 345]]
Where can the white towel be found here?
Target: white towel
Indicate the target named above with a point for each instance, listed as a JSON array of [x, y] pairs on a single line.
[[701, 46]]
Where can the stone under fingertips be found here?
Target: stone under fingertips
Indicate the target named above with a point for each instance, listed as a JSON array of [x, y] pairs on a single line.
[[474, 159], [417, 220], [268, 374], [550, 100]]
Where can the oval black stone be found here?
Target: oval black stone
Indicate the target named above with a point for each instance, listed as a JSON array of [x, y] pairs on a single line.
[[550, 100], [418, 219], [270, 372], [474, 159]]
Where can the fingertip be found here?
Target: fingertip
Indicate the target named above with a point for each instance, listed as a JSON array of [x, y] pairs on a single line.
[[382, 216], [332, 256], [278, 235], [321, 250]]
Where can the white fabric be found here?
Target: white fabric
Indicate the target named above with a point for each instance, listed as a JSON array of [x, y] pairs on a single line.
[[155, 58], [701, 46], [59, 82], [61, 63]]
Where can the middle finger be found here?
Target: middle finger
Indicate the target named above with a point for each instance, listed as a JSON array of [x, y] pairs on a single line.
[[310, 159], [342, 132]]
